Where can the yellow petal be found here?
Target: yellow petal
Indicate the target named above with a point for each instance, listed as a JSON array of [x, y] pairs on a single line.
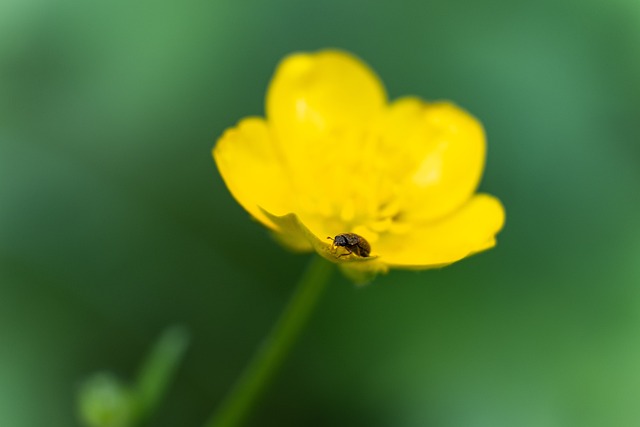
[[437, 153], [291, 233], [251, 167], [319, 105], [315, 94], [470, 229], [300, 237]]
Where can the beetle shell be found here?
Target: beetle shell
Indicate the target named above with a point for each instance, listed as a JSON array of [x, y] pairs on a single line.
[[353, 243]]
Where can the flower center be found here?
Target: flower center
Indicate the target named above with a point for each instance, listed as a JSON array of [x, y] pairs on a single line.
[[351, 186]]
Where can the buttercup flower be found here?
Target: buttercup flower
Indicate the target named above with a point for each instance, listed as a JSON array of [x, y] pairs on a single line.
[[333, 156]]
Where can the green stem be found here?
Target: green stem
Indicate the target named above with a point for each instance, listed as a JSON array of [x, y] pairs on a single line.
[[158, 369], [265, 362]]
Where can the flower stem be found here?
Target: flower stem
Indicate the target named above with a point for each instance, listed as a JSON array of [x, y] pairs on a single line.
[[265, 362], [158, 370]]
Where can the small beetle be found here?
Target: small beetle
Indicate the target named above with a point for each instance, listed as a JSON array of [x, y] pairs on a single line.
[[353, 243]]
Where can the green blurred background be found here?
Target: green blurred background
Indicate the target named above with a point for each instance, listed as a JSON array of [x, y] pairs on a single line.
[[115, 224]]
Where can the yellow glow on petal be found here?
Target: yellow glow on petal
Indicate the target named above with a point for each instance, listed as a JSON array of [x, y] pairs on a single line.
[[318, 105], [252, 169], [438, 152], [318, 93], [469, 230]]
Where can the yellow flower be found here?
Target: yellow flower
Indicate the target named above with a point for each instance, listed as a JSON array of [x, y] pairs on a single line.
[[334, 156]]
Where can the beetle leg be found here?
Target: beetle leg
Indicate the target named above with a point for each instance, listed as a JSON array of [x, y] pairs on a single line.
[[349, 252], [333, 243]]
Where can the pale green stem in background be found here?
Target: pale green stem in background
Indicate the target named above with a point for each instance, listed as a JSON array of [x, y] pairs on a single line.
[[236, 405], [106, 401], [158, 369]]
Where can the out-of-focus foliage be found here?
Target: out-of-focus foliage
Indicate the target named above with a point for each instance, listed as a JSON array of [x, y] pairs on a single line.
[[114, 222], [105, 402]]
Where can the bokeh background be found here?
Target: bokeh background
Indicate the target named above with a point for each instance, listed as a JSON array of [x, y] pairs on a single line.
[[115, 224]]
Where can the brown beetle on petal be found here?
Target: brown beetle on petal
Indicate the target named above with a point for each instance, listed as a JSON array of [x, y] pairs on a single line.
[[353, 243]]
